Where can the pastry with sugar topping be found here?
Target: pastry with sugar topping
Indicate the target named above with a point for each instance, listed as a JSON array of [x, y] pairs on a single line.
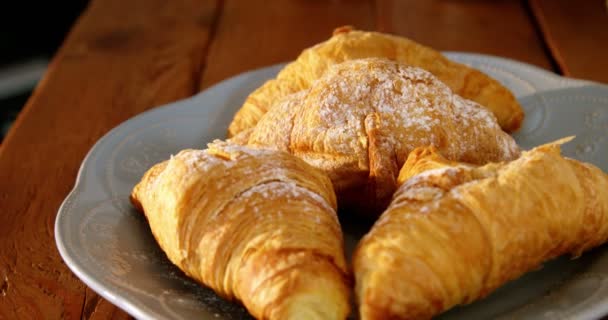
[[359, 122], [258, 226]]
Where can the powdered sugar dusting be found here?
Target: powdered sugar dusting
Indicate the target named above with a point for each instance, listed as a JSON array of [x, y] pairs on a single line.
[[285, 189], [423, 176], [226, 155], [234, 150], [219, 153], [411, 103], [369, 114], [414, 109]]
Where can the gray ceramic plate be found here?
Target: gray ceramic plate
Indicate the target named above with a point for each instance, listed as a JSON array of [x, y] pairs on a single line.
[[109, 246]]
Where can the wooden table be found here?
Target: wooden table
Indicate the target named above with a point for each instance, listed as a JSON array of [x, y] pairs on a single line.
[[124, 57]]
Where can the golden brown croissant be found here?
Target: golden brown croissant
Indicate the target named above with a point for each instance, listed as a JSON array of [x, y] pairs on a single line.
[[359, 122], [255, 225], [348, 44], [456, 233]]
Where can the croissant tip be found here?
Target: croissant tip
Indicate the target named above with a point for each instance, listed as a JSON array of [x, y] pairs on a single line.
[[563, 140], [135, 202], [343, 29], [554, 146]]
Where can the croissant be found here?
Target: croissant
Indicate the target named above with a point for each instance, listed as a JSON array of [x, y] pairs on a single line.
[[360, 120], [258, 226], [453, 234], [348, 44]]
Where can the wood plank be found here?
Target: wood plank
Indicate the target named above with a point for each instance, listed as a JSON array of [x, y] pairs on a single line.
[[258, 33], [121, 58], [577, 34], [501, 27]]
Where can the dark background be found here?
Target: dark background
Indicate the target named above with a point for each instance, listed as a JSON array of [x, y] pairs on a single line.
[[30, 30]]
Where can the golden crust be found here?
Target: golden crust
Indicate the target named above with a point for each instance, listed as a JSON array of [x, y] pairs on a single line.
[[359, 122], [254, 225], [349, 44], [456, 233], [423, 159]]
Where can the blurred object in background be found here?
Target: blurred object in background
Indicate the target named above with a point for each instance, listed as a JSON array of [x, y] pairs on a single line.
[[30, 33], [16, 84]]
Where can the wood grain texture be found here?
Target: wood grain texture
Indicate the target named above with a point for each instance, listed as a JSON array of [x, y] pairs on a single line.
[[498, 27], [121, 58], [257, 33], [577, 35], [97, 308]]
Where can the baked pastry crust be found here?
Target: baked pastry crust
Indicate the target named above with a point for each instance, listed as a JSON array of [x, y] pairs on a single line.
[[348, 44], [456, 233], [359, 122], [258, 226]]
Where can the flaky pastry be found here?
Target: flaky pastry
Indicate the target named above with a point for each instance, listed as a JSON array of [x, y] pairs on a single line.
[[258, 226], [453, 234], [359, 122]]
